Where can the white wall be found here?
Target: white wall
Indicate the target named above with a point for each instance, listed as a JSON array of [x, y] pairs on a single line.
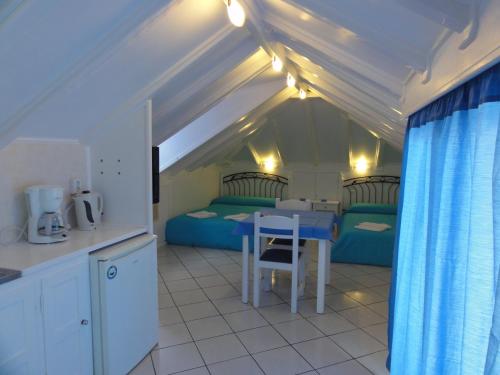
[[185, 192], [121, 166], [27, 162]]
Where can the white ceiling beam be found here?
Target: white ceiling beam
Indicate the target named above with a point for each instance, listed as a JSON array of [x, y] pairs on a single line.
[[381, 113], [236, 47], [336, 51], [453, 66], [210, 151], [451, 14], [200, 96], [384, 108], [255, 25], [328, 13], [221, 117], [236, 146], [107, 44], [367, 120], [389, 90], [279, 140], [219, 147], [8, 8], [256, 118]]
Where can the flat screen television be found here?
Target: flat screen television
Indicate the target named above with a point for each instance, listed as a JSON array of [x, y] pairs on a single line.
[[156, 174]]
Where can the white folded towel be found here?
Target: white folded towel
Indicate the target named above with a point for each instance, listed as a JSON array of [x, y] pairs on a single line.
[[237, 217], [202, 214], [374, 227]]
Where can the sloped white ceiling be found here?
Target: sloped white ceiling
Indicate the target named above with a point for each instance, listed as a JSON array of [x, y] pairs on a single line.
[[358, 57], [68, 66], [310, 132]]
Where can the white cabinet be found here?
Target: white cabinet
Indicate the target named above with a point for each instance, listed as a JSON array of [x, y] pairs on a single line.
[[20, 344], [45, 325], [66, 319]]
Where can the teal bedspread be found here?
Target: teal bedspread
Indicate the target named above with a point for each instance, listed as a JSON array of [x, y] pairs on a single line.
[[215, 232], [362, 246]]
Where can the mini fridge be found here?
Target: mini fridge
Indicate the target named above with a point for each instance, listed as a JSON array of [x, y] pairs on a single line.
[[124, 304]]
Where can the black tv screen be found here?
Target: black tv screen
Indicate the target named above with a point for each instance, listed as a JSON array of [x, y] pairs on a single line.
[[156, 174]]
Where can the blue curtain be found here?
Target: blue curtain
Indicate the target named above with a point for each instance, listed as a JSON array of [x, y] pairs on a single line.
[[443, 317]]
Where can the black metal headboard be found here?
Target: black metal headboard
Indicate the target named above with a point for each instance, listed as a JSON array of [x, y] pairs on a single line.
[[255, 184], [371, 189]]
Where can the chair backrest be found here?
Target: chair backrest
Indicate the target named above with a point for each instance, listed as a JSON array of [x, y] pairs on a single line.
[[277, 227], [294, 204]]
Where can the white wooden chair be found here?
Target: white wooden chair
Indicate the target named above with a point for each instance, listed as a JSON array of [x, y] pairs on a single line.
[[291, 204], [267, 257], [297, 205]]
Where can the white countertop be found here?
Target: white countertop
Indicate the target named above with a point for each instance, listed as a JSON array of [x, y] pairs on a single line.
[[29, 258]]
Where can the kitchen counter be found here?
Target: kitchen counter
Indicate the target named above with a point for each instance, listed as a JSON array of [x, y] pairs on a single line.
[[28, 258]]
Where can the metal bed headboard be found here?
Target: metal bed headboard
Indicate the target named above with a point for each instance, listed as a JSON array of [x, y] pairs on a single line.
[[371, 189], [255, 184]]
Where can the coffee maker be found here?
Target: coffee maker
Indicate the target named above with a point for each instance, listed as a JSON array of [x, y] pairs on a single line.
[[45, 222]]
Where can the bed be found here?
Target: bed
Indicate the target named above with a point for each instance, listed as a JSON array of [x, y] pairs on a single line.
[[244, 192], [367, 199]]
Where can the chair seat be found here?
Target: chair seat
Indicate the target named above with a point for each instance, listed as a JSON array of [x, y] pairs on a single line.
[[286, 242], [278, 256]]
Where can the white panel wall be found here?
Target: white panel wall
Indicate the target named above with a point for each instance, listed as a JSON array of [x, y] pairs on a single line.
[[185, 192], [27, 162], [302, 184], [315, 182], [121, 167]]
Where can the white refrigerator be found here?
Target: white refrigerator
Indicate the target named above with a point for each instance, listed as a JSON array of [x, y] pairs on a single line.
[[124, 304]]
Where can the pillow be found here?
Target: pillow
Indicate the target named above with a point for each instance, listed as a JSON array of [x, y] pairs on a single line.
[[245, 201], [371, 208]]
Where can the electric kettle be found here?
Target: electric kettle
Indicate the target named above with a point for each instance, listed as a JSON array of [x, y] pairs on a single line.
[[88, 207]]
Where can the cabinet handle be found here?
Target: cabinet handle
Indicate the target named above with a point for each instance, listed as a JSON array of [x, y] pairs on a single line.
[[84, 322]]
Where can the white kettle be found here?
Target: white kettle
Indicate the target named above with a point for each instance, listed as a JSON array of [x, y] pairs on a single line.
[[88, 207]]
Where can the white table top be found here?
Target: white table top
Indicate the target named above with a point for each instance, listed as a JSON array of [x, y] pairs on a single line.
[[28, 258]]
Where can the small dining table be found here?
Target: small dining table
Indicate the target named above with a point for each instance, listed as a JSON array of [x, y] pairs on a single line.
[[313, 225]]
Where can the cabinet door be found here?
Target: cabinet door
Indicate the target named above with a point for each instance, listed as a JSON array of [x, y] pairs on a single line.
[[66, 319], [20, 346]]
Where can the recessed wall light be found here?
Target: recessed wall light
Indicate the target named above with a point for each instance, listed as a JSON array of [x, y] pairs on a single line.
[[269, 164], [290, 80], [361, 165]]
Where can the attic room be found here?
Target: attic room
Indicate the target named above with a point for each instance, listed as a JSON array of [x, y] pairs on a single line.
[[250, 187]]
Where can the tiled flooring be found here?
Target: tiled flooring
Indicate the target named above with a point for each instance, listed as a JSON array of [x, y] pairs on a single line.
[[205, 329]]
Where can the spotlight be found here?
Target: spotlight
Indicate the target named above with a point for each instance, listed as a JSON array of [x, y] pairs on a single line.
[[236, 13], [302, 94], [277, 64]]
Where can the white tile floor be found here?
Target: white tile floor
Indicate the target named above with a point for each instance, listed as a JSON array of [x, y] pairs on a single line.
[[206, 330]]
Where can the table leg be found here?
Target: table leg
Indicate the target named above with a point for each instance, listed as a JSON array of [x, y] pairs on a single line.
[[244, 278], [320, 302], [328, 257]]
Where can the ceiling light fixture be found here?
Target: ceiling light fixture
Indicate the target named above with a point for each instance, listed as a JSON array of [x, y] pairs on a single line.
[[290, 80], [302, 94], [236, 13], [277, 64]]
